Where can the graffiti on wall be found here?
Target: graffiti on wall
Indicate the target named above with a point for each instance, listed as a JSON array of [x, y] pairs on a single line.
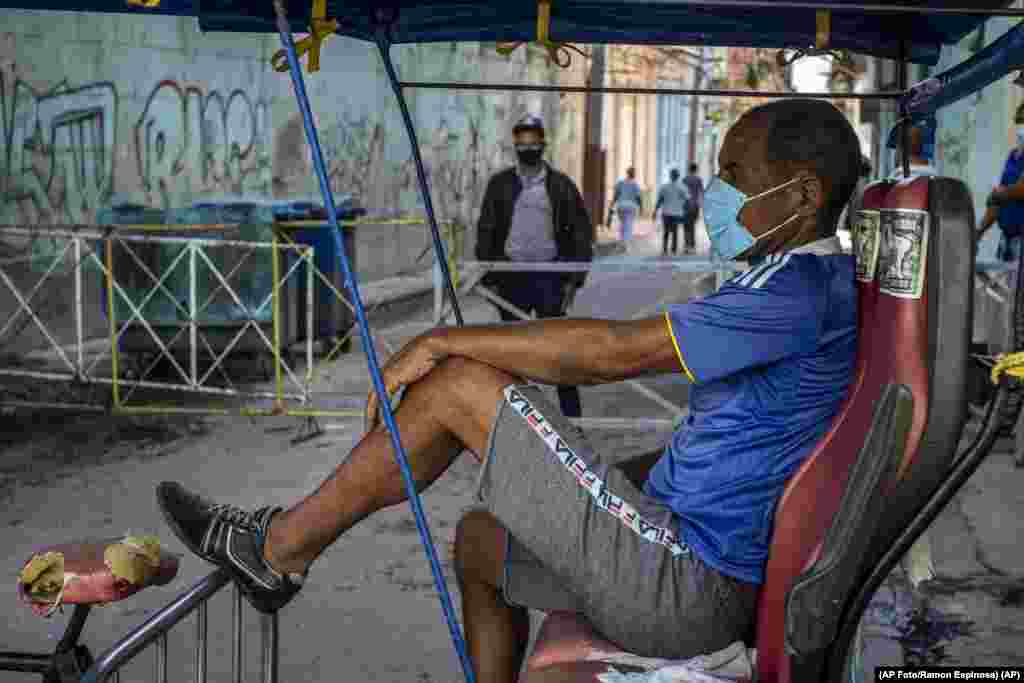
[[354, 148], [59, 147], [68, 149], [188, 140], [56, 150]]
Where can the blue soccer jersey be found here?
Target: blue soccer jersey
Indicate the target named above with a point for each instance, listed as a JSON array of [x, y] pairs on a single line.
[[771, 357]]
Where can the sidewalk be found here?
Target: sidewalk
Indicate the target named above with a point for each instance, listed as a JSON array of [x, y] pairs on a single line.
[[972, 612], [394, 289]]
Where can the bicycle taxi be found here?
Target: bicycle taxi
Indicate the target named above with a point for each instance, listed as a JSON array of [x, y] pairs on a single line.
[[890, 462]]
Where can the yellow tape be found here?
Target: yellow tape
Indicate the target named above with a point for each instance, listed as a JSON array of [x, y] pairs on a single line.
[[244, 411], [112, 315], [543, 21], [211, 227], [352, 224], [1011, 364], [320, 29], [145, 4], [275, 268], [823, 28]]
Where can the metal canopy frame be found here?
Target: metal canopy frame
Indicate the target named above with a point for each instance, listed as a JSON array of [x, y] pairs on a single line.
[[866, 8], [613, 90]]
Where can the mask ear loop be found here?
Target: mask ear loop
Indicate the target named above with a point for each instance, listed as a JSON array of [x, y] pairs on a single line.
[[775, 189], [783, 223], [778, 227]]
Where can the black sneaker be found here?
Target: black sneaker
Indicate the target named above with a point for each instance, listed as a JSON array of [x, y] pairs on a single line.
[[231, 538]]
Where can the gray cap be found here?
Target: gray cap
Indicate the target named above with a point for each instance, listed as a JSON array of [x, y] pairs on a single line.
[[529, 122]]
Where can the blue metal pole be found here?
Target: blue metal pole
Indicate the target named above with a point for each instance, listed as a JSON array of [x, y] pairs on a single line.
[[371, 357]]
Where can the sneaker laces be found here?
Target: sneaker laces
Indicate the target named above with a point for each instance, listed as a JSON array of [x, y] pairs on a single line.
[[235, 515]]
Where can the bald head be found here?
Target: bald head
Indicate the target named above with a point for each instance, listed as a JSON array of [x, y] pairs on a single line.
[[812, 135]]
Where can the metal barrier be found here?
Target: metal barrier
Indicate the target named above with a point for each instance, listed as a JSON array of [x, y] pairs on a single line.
[[258, 328], [182, 326], [153, 632], [292, 390]]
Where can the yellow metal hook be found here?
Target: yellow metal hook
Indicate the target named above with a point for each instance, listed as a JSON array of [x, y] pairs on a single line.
[[320, 28], [558, 53]]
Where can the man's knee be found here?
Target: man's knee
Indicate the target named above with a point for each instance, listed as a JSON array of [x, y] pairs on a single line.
[[464, 395], [470, 378], [480, 541]]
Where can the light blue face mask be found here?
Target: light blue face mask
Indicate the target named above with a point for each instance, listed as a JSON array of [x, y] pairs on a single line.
[[722, 206]]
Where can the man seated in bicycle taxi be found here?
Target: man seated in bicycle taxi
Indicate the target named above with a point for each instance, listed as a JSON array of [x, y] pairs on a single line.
[[670, 569]]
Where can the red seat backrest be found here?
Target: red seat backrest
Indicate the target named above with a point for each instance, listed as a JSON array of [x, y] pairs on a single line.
[[812, 495], [915, 333], [930, 335], [903, 300]]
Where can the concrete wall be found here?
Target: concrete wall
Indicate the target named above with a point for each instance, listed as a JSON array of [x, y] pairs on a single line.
[[153, 110]]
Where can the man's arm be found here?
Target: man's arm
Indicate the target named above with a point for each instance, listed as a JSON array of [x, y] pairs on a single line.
[[1013, 193], [564, 350], [615, 198]]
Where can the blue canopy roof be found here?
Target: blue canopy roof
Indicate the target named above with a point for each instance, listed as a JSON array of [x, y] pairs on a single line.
[[669, 22]]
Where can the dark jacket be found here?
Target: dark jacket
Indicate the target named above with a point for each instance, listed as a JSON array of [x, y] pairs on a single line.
[[574, 232]]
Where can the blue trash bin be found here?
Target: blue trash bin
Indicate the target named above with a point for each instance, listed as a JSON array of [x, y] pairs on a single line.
[[332, 318]]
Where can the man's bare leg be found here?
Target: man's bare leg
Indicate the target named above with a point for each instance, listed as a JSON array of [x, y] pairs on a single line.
[[496, 633], [267, 551], [449, 410]]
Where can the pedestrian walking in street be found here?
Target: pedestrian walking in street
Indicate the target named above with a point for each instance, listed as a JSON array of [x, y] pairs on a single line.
[[695, 188], [673, 199], [627, 203]]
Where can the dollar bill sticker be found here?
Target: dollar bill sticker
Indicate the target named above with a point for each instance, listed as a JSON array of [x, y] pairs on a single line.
[[865, 243], [903, 252]]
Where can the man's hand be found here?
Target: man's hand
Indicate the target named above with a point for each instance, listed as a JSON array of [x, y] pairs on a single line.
[[996, 199], [568, 296], [991, 214], [412, 363]]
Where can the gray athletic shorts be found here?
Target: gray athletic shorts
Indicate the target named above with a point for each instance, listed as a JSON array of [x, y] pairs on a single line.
[[583, 538]]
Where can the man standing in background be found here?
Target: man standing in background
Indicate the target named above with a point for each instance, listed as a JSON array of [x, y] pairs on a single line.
[[532, 213], [1006, 202], [695, 188]]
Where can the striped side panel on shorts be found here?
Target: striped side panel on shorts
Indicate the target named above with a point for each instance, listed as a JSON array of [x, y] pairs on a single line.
[[603, 498]]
